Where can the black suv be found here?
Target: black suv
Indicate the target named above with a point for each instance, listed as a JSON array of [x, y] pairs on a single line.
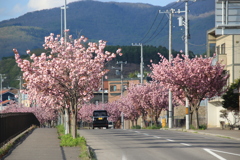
[[100, 118]]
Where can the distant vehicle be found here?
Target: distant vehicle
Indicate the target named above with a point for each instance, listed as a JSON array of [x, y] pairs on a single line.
[[100, 119], [110, 125]]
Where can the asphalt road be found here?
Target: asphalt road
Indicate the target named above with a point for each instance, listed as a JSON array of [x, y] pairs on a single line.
[[117, 144]]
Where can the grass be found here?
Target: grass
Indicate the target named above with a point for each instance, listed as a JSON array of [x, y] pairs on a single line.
[[154, 127], [201, 127], [68, 141], [8, 146], [136, 127], [149, 127], [224, 137]]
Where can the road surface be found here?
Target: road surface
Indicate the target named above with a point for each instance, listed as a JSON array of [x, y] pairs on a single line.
[[117, 144]]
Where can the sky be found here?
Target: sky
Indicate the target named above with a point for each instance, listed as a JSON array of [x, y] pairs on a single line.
[[15, 8]]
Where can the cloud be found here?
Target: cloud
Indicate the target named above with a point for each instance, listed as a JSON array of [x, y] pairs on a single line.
[[18, 8], [46, 4], [203, 15]]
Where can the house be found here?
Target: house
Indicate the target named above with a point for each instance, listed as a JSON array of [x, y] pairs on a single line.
[[225, 39], [116, 87], [7, 95], [101, 95]]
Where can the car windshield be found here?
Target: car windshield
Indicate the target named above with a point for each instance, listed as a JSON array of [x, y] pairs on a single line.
[[100, 113]]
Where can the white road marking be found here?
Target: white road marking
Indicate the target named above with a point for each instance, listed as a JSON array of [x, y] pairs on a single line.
[[156, 137], [185, 144], [170, 140], [124, 157], [146, 134], [217, 156]]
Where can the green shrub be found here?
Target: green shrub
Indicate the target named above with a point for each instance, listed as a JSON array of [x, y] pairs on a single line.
[[192, 127], [203, 127], [136, 127], [60, 129], [68, 140], [154, 127]]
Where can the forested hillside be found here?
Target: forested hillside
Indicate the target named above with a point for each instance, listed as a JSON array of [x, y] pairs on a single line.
[[117, 23]]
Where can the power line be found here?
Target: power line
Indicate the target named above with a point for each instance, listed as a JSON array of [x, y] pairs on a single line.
[[154, 23], [150, 38], [154, 35], [155, 30], [150, 27], [197, 44]]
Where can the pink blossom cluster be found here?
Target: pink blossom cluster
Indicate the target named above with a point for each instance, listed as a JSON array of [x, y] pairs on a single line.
[[39, 112]]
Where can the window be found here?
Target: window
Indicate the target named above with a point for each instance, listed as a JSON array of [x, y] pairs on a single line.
[[113, 88], [217, 50], [223, 48]]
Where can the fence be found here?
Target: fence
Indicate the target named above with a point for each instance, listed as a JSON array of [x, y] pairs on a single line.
[[11, 124]]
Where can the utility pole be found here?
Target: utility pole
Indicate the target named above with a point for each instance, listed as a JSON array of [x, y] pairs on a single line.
[[122, 114], [102, 90], [19, 92], [141, 63], [121, 62], [170, 108], [141, 67], [62, 8], [65, 21], [186, 37], [2, 79]]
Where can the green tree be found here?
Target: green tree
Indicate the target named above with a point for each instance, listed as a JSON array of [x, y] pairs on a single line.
[[231, 99]]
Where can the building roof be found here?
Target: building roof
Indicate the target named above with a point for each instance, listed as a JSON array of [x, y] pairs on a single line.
[[11, 90], [4, 102]]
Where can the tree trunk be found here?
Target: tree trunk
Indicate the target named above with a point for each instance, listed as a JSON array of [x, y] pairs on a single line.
[[143, 124], [157, 116], [67, 131], [132, 121], [74, 122], [196, 118]]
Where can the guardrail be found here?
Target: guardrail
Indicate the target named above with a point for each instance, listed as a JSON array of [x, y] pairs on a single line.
[[11, 124]]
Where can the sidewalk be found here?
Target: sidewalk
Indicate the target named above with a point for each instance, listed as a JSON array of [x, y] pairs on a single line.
[[43, 144], [232, 134]]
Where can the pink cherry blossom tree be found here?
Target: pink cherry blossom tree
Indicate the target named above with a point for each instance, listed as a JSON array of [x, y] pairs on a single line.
[[156, 99], [196, 78], [135, 95], [114, 111], [68, 74], [129, 111]]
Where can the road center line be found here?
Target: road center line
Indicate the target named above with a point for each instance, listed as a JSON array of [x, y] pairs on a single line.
[[185, 144]]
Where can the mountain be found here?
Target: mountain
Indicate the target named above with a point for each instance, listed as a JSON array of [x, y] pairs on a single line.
[[117, 23]]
